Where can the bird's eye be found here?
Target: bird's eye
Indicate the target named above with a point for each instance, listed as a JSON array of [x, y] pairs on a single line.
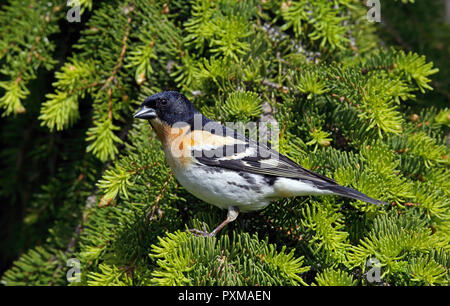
[[163, 102]]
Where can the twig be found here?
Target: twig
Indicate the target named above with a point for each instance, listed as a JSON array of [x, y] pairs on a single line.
[[151, 213], [119, 61]]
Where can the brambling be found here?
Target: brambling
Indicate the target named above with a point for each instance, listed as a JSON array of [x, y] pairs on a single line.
[[225, 168]]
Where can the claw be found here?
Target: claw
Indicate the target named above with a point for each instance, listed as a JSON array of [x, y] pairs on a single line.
[[231, 216], [203, 233]]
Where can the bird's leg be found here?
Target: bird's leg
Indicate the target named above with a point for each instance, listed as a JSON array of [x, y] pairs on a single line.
[[233, 212]]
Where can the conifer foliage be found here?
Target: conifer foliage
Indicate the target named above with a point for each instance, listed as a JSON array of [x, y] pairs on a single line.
[[347, 106]]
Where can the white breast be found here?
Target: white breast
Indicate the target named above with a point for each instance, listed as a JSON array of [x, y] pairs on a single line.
[[224, 188]]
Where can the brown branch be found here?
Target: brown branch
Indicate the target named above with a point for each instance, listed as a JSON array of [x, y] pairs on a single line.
[[151, 213], [119, 63]]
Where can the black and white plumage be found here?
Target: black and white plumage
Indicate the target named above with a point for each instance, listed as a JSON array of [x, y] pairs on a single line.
[[225, 168]]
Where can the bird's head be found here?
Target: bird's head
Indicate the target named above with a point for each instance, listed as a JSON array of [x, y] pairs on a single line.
[[168, 107]]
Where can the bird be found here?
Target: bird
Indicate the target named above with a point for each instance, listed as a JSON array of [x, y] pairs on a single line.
[[224, 167]]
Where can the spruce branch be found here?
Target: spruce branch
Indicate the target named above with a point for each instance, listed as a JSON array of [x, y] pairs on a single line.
[[348, 108]]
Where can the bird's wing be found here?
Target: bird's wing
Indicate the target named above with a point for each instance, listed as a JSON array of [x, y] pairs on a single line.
[[242, 154], [239, 153]]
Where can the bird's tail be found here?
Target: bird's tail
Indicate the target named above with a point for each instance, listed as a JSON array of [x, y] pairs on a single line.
[[350, 193]]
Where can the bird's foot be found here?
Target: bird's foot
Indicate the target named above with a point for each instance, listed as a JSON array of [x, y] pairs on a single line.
[[203, 233], [233, 212]]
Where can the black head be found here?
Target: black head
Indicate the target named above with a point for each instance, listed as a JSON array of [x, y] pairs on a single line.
[[168, 106]]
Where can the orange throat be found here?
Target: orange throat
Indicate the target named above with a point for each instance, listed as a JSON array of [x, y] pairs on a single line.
[[176, 143]]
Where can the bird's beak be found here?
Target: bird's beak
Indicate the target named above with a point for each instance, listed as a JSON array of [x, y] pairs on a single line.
[[145, 113]]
